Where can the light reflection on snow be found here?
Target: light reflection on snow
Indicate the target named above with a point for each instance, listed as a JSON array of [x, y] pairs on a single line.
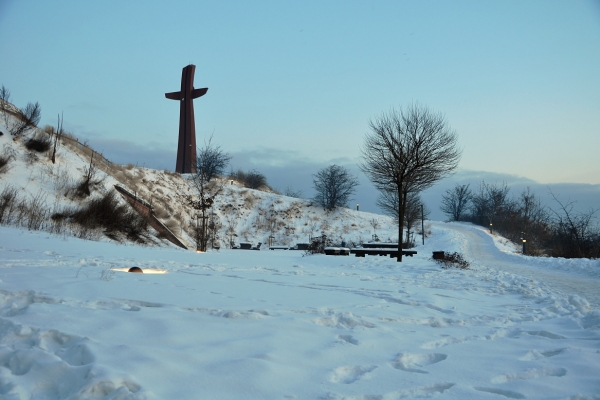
[[146, 271]]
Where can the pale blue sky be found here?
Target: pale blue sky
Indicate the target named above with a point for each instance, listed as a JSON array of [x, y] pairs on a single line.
[[293, 84]]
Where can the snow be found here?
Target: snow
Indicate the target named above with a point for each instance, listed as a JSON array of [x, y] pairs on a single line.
[[276, 324], [243, 324]]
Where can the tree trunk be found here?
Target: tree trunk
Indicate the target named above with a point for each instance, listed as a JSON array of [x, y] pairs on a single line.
[[401, 212]]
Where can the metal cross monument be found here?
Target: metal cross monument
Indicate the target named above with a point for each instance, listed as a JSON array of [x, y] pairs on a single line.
[[186, 149]]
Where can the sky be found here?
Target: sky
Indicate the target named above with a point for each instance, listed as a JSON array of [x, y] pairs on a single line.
[[293, 85]]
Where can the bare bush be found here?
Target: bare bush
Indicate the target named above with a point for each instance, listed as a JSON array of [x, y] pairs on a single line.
[[8, 154], [83, 189], [27, 118], [106, 213], [36, 212], [290, 192], [40, 142], [251, 179], [574, 235], [9, 199], [453, 260], [4, 103], [3, 163], [317, 245], [211, 160]]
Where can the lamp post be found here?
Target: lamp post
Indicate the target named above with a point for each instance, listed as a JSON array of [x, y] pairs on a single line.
[[422, 225], [357, 206], [491, 230], [524, 241]]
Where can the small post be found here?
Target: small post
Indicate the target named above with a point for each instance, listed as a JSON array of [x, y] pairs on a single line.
[[197, 234], [357, 206], [422, 225]]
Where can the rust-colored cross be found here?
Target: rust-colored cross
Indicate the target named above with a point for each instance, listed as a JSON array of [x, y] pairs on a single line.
[[186, 149]]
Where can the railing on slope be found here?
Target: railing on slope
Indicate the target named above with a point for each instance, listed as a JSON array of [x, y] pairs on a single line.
[[145, 209]]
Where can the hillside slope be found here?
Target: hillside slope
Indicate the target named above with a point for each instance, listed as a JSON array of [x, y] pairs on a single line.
[[239, 214]]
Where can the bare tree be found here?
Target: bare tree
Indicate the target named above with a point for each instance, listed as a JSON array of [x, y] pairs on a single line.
[[574, 234], [28, 118], [409, 151], [211, 160], [334, 186], [207, 193], [57, 135], [415, 210], [4, 102], [497, 201], [388, 201], [456, 201]]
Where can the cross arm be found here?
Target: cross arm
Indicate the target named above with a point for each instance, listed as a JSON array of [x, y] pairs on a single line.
[[199, 92], [173, 95]]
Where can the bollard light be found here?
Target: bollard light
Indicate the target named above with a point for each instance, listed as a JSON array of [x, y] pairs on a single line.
[[357, 206]]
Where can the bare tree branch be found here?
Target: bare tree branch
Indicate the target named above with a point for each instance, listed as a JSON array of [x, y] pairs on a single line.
[[408, 151]]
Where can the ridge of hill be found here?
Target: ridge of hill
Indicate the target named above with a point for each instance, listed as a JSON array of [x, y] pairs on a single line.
[[239, 214]]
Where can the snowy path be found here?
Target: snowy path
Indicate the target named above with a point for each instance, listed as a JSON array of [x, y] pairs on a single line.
[[480, 248]]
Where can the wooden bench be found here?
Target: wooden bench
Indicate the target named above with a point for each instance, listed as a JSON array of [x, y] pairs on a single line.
[[300, 246], [247, 246], [379, 245], [279, 247], [361, 252], [337, 251]]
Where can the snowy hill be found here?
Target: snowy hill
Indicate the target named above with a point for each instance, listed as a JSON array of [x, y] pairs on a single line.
[[239, 214]]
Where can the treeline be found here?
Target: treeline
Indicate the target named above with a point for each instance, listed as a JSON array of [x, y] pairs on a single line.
[[557, 232]]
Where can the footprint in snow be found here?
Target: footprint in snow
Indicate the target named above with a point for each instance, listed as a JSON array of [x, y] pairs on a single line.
[[546, 334], [506, 393], [536, 355], [412, 362], [348, 339], [27, 354], [530, 374], [351, 373]]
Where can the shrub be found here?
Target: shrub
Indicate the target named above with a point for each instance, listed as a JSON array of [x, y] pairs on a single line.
[[40, 143], [251, 179], [3, 162], [27, 118], [106, 213], [317, 245], [453, 260], [8, 203]]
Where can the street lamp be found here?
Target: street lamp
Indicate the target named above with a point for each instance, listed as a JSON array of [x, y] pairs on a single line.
[[357, 205], [524, 241], [491, 230]]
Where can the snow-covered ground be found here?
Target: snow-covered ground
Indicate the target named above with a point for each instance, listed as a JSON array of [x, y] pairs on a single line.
[[240, 324]]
